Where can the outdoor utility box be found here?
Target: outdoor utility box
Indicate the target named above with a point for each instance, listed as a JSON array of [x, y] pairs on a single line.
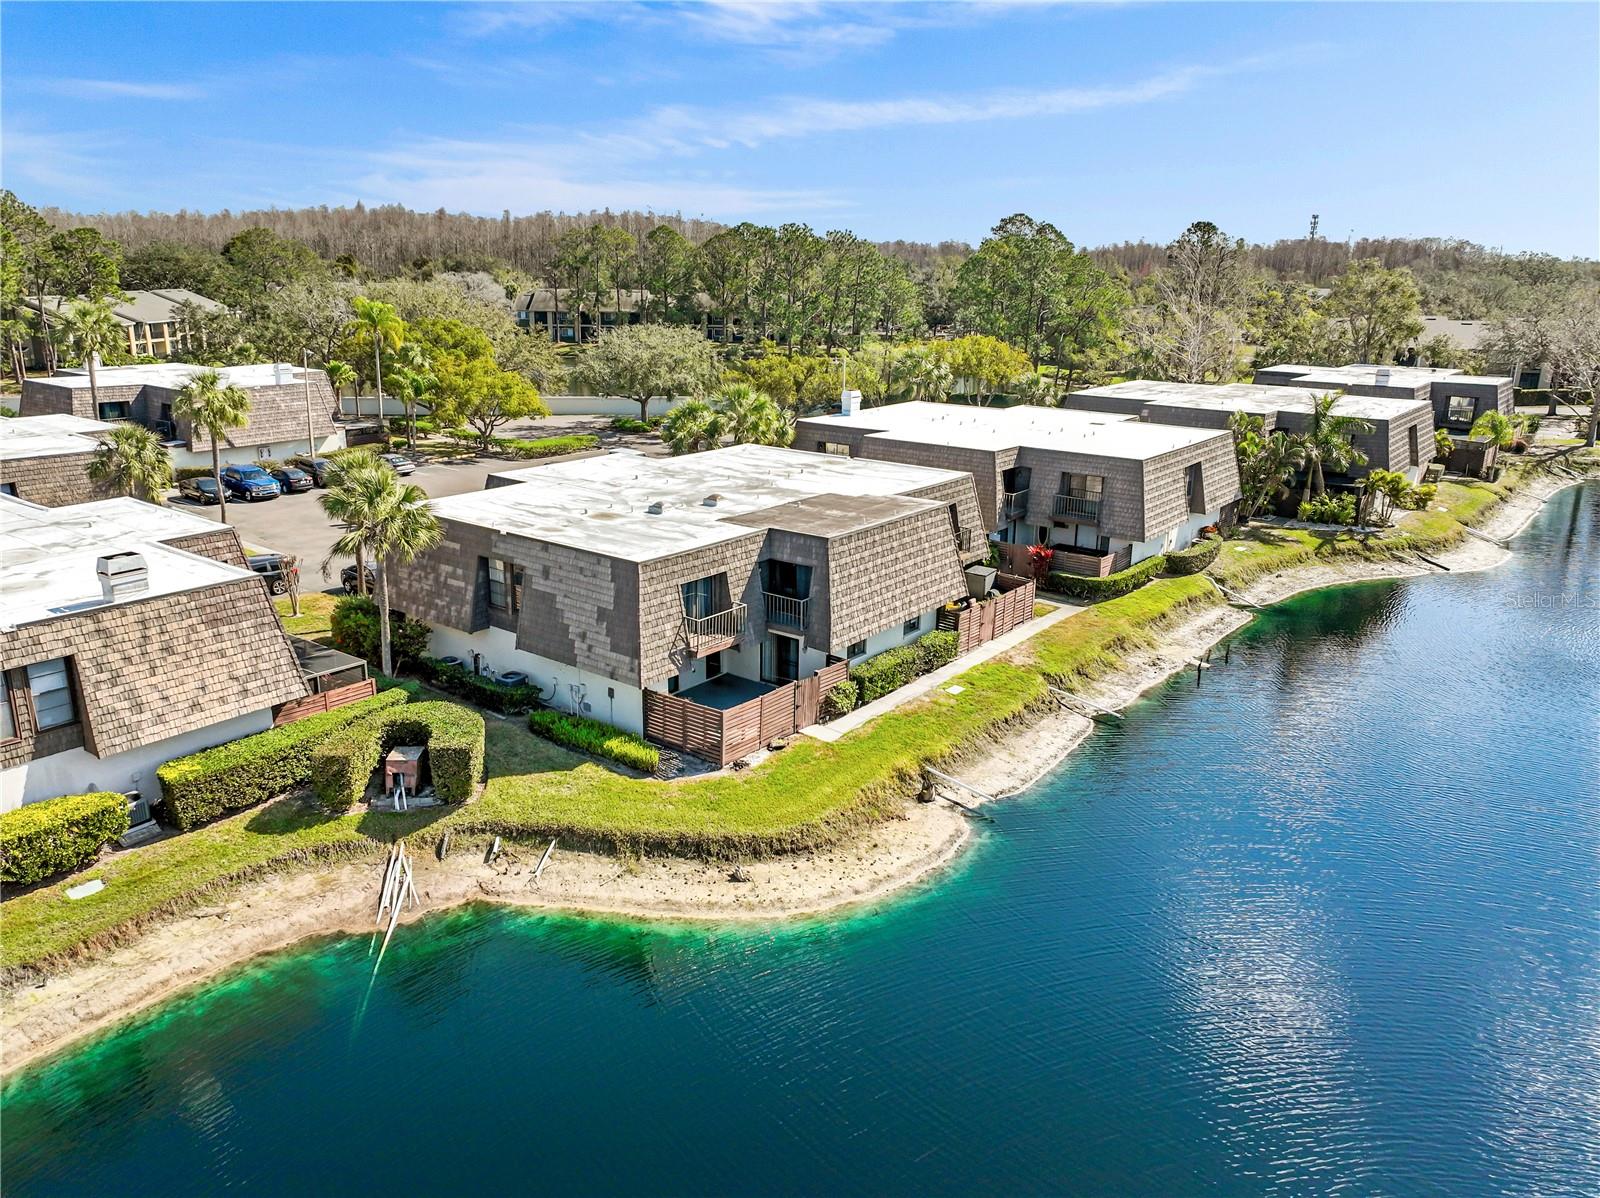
[[980, 580], [403, 761]]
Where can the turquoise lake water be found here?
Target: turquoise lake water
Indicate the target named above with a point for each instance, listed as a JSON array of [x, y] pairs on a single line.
[[1327, 924]]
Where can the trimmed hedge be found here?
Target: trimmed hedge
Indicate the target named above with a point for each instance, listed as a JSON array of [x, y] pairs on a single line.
[[182, 473], [200, 787], [342, 765], [475, 688], [1195, 558], [1111, 586], [893, 668], [595, 737], [840, 699], [49, 837]]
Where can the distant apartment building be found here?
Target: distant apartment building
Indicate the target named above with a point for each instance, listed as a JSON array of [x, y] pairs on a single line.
[[291, 409], [1457, 398], [1402, 429], [616, 583], [153, 321], [129, 634], [1104, 491], [549, 311], [45, 459]]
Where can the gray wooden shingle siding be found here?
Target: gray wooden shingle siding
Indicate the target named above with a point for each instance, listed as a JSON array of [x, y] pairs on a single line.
[[151, 669], [1487, 395], [54, 480], [277, 412], [883, 576]]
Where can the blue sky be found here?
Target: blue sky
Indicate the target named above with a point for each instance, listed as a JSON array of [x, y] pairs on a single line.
[[904, 120]]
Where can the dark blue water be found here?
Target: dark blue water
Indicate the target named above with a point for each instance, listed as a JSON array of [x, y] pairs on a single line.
[[1326, 925]]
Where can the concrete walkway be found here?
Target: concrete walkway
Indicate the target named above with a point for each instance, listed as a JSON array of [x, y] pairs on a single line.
[[940, 677]]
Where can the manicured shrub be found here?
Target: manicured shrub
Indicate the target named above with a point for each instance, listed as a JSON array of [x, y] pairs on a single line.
[[182, 472], [627, 424], [893, 668], [1418, 498], [595, 737], [1094, 589], [242, 773], [1330, 509], [353, 628], [841, 699], [475, 688], [342, 765], [546, 447], [1195, 558], [52, 836]]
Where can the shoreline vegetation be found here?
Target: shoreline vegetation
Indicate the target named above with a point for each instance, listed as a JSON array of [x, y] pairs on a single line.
[[814, 828]]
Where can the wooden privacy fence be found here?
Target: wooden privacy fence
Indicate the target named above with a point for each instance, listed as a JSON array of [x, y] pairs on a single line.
[[1014, 559], [298, 709], [723, 735], [983, 621]]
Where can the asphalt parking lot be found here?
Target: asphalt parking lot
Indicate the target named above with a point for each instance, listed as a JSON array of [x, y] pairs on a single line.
[[295, 523]]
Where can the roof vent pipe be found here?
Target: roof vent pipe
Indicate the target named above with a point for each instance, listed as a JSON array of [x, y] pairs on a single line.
[[655, 509], [122, 575]]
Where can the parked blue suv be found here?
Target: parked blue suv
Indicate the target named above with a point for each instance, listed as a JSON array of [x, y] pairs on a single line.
[[249, 483]]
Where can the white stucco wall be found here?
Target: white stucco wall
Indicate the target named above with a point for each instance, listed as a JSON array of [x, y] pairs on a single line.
[[77, 771], [246, 454], [604, 405], [580, 691]]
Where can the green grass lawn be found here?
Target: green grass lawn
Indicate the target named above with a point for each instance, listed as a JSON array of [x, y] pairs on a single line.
[[807, 795], [316, 612]]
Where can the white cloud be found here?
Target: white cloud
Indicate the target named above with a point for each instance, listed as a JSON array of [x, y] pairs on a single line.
[[122, 89]]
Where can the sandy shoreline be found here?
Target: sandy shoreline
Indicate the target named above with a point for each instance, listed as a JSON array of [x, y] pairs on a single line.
[[275, 913]]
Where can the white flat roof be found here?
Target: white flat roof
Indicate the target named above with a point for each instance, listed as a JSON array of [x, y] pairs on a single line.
[[48, 555], [1366, 374], [47, 436], [173, 375], [601, 504], [1255, 398], [962, 425]]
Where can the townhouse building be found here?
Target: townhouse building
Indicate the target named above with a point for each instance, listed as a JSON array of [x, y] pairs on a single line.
[[1457, 398], [129, 635], [651, 593], [155, 323], [45, 459], [291, 408], [1401, 436], [1104, 491]]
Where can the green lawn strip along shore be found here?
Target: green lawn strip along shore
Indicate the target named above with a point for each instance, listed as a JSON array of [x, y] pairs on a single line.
[[812, 793], [1261, 550], [806, 796]]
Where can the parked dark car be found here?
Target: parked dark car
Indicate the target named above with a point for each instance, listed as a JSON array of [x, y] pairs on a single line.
[[249, 483], [291, 479], [273, 569], [347, 577], [397, 463], [317, 468], [198, 490]]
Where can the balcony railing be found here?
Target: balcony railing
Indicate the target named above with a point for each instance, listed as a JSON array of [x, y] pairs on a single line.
[[1077, 507], [718, 626], [785, 611], [1014, 505], [966, 539]]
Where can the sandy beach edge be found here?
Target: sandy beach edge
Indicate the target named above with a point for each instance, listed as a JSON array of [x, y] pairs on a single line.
[[279, 913]]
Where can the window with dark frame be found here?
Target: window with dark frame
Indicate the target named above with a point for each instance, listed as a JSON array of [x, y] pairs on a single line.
[[8, 713], [1460, 409], [50, 684], [911, 626], [856, 649], [499, 592]]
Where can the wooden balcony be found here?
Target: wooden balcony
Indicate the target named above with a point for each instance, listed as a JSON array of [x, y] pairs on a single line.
[[707, 634], [785, 611], [1077, 507]]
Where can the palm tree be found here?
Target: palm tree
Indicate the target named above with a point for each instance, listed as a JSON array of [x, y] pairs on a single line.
[[751, 417], [342, 375], [418, 368], [1325, 443], [205, 404], [385, 327], [1443, 445], [1496, 428], [692, 426], [393, 521], [90, 327], [132, 461]]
